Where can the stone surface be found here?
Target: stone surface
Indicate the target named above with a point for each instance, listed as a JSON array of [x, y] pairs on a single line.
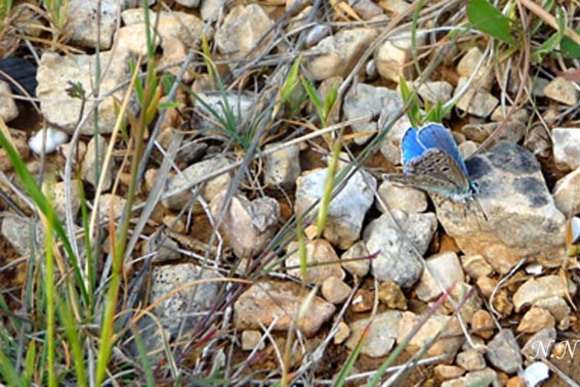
[[83, 22], [445, 372], [476, 266], [8, 108], [366, 9], [245, 33], [393, 57], [180, 183], [562, 90], [477, 102], [482, 324], [252, 339], [111, 205], [282, 167], [534, 290], [336, 55], [449, 325], [316, 34], [334, 290], [399, 248], [93, 162], [535, 373], [56, 71], [514, 131], [557, 306], [347, 209], [535, 320], [504, 353], [211, 9], [164, 249], [442, 271], [394, 6], [390, 148], [18, 231], [342, 334], [521, 217], [371, 105], [540, 345], [566, 193], [47, 140], [483, 378], [173, 25], [358, 267], [318, 251], [400, 197], [247, 225], [189, 3], [470, 360], [381, 335], [363, 301], [500, 114], [468, 64], [566, 143], [392, 296], [188, 304], [435, 92], [266, 302]]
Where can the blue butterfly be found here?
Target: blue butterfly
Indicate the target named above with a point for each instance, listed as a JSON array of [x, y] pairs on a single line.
[[432, 163]]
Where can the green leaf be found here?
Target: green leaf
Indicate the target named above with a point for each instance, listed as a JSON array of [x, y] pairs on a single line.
[[570, 49], [486, 18]]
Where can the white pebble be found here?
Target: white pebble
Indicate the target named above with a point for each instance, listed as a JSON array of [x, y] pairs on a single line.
[[54, 138]]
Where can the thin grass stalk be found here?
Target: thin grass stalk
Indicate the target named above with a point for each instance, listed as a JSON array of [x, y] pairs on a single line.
[[50, 284]]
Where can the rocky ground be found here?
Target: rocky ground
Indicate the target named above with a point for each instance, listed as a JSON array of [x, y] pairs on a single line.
[[217, 184]]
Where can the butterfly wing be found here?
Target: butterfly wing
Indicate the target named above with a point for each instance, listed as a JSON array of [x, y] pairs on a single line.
[[410, 146], [573, 231], [423, 182], [435, 136]]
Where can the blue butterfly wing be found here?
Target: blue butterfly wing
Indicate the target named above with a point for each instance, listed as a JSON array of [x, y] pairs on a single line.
[[410, 146], [436, 136]]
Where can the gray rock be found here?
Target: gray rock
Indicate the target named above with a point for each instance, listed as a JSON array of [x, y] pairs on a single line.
[[503, 352], [534, 290], [566, 193], [566, 147], [540, 345], [359, 267], [335, 290], [180, 183], [483, 378], [514, 132], [536, 373], [54, 73], [317, 251], [366, 9], [93, 162], [245, 33], [19, 231], [403, 198], [557, 306], [374, 104], [522, 219], [337, 54], [189, 303], [398, 247], [477, 102], [390, 148], [111, 205], [8, 108], [520, 115], [476, 266], [347, 209], [316, 34], [562, 90], [210, 9], [165, 249], [434, 92], [266, 302], [441, 269], [282, 167], [247, 226], [381, 335], [83, 25]]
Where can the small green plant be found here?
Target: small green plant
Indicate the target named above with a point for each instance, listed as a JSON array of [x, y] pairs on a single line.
[[417, 116]]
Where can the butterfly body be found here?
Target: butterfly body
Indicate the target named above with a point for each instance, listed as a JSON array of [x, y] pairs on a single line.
[[432, 162]]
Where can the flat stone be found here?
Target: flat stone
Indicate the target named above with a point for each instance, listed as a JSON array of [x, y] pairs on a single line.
[[266, 302], [8, 108], [403, 198], [566, 143], [435, 92], [211, 9], [247, 225], [56, 71], [366, 9], [359, 267], [562, 90], [482, 324], [483, 378], [469, 62], [514, 197], [445, 372], [476, 266], [347, 209], [381, 335], [557, 306], [334, 290], [394, 6], [448, 343], [566, 193], [337, 54], [534, 290], [370, 104], [391, 146], [19, 231], [82, 22], [393, 56], [318, 251], [398, 247], [535, 374], [535, 320], [540, 345], [442, 271], [477, 102], [245, 33], [504, 353], [470, 360]]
